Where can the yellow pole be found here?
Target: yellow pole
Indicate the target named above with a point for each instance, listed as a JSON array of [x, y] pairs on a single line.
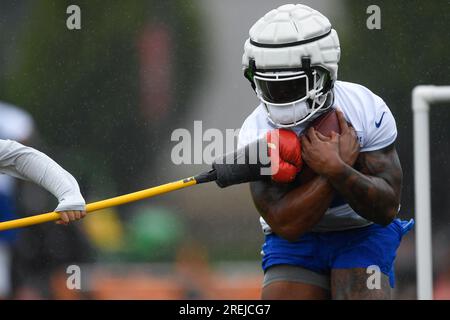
[[112, 202]]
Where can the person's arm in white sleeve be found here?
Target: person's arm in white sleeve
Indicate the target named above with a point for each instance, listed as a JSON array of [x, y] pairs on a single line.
[[30, 164]]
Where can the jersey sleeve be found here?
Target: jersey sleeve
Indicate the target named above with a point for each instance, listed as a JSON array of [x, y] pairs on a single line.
[[381, 129], [254, 127], [249, 132], [246, 135], [30, 164]]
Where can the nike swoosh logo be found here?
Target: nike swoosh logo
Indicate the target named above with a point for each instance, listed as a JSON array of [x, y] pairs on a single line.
[[378, 124]]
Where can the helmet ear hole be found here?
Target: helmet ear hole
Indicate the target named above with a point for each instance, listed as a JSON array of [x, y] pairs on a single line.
[[328, 83], [249, 73], [249, 77]]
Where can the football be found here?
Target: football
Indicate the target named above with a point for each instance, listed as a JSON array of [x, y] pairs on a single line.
[[325, 124]]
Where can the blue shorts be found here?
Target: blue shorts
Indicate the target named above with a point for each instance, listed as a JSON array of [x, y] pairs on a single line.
[[354, 248]]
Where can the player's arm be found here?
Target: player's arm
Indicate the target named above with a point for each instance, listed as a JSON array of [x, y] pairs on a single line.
[[291, 210], [30, 164], [372, 188]]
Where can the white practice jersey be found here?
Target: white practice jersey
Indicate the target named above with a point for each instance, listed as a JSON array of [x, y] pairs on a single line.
[[374, 125]]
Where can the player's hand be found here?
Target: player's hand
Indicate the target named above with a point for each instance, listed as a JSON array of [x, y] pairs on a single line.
[[321, 153], [69, 216], [348, 141], [284, 149]]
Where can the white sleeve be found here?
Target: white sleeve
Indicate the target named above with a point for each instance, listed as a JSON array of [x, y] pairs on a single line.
[[30, 164], [246, 135], [381, 129], [250, 131]]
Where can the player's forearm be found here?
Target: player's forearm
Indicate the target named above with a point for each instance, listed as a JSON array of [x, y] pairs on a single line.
[[30, 164], [371, 197], [48, 174], [298, 210], [302, 208]]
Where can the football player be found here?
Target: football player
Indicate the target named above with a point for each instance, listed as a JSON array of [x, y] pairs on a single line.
[[324, 236], [27, 163]]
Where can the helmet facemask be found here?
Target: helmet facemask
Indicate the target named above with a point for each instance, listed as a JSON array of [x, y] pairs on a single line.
[[293, 96]]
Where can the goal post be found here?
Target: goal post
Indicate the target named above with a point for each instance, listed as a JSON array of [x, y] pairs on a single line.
[[423, 97]]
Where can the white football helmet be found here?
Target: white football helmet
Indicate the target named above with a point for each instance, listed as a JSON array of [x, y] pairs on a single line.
[[291, 60]]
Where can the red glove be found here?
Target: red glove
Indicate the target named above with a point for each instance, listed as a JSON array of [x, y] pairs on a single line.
[[285, 152]]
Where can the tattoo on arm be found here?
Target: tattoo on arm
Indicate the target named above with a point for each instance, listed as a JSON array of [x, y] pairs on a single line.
[[373, 187]]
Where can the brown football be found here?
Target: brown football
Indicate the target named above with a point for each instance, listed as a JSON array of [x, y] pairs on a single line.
[[325, 124]]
